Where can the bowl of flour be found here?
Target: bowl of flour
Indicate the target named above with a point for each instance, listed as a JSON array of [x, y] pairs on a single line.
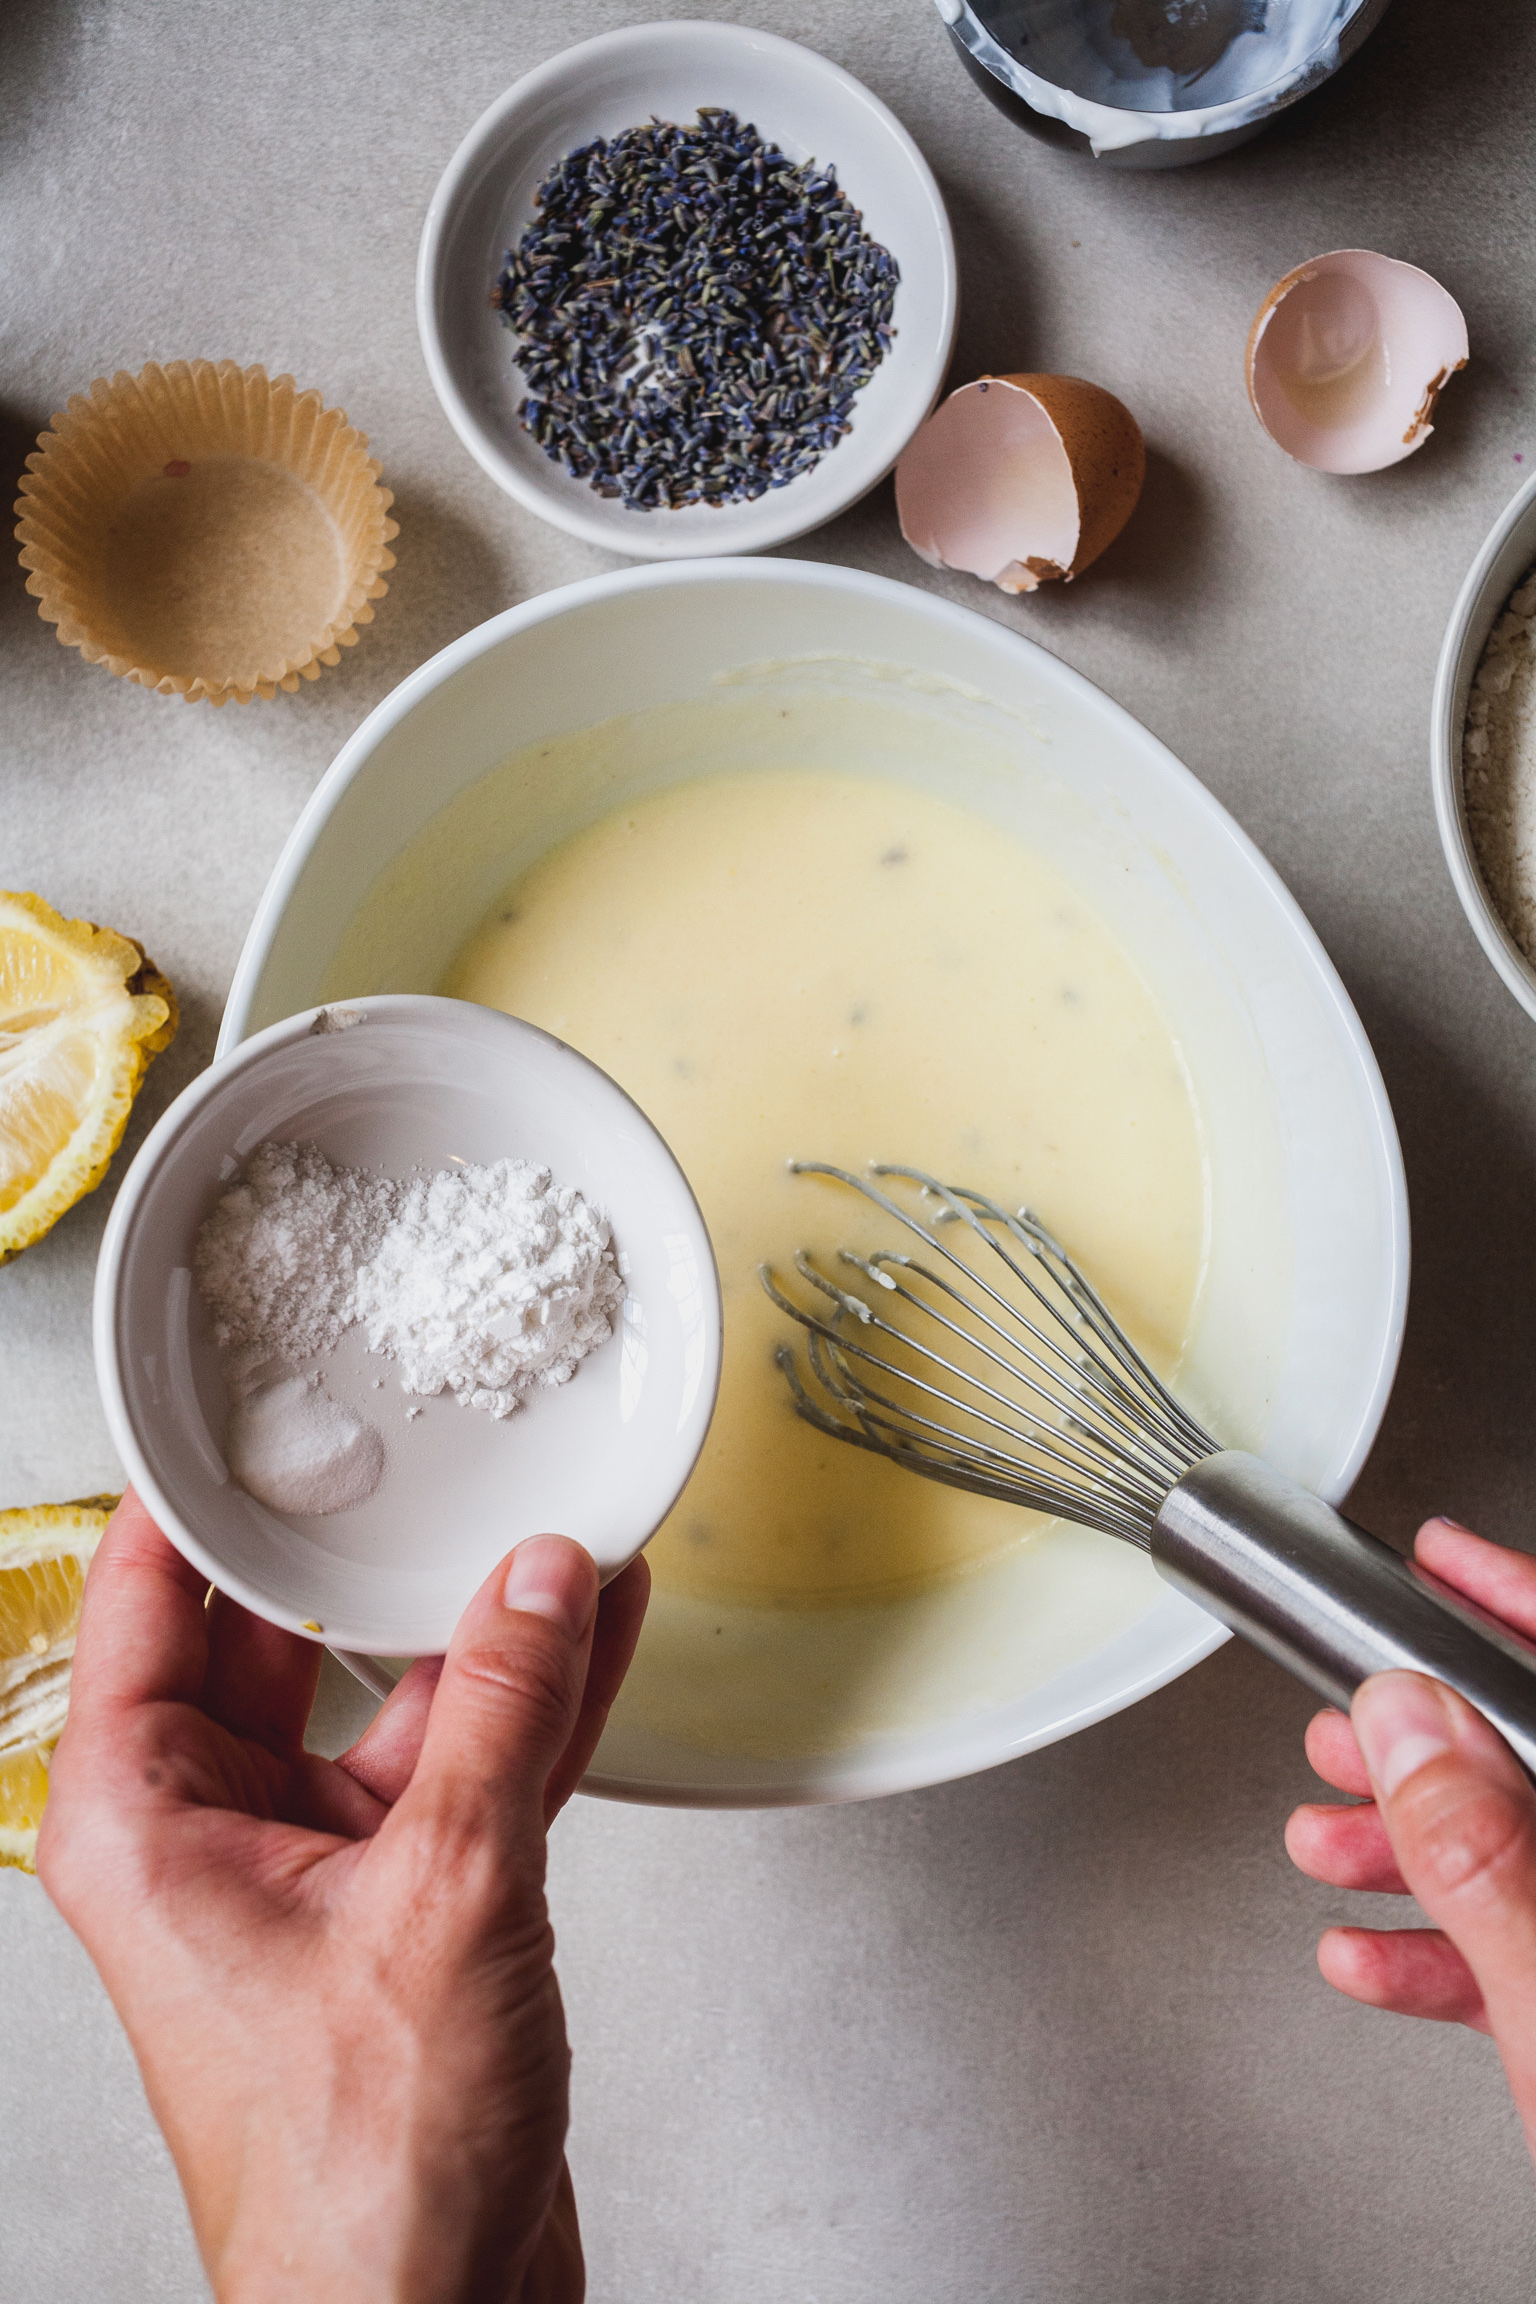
[[1483, 747], [392, 1286]]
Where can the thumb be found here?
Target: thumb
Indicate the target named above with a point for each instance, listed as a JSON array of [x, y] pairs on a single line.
[[1461, 1816], [509, 1695]]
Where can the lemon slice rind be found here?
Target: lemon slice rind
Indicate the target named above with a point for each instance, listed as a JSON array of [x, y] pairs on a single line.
[[82, 1015], [44, 1552]]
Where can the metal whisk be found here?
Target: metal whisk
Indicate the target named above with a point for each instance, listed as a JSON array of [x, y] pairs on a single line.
[[1004, 1372]]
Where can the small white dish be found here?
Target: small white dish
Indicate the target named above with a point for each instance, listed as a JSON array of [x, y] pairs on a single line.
[[409, 1081], [811, 109], [1509, 551]]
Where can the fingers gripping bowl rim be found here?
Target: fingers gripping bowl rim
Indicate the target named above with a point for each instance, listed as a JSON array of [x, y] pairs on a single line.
[[401, 1082], [1094, 793]]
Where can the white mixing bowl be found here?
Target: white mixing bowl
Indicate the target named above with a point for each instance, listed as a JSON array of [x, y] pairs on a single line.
[[417, 829]]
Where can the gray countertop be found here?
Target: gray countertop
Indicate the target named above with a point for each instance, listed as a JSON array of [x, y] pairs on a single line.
[[1053, 2034]]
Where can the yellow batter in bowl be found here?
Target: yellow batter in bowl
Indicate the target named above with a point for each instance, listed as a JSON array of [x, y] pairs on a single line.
[[803, 964]]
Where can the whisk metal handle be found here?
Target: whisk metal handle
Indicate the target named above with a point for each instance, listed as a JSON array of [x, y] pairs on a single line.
[[1330, 1602]]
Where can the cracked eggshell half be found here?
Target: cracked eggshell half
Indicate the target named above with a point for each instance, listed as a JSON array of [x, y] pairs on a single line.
[[1347, 357], [1021, 479]]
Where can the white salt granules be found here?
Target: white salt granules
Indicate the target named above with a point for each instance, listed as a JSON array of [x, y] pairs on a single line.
[[485, 1282], [290, 1446], [1498, 765]]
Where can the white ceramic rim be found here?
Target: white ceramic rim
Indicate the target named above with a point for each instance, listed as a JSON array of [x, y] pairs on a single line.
[[867, 1778], [1447, 714], [779, 523], [985, 1748], [228, 1064]]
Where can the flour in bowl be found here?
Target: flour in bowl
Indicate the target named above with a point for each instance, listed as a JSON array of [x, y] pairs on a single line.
[[489, 1282], [1498, 765], [278, 1259]]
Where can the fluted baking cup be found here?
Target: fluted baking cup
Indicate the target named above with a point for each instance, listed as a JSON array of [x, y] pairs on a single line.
[[206, 530]]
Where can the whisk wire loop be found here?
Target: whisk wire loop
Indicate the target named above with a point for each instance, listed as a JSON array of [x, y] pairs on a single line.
[[936, 1466], [1115, 1356], [921, 1444], [1075, 1398], [1148, 1403], [952, 1470], [1079, 1413], [855, 1394], [1056, 1409], [1149, 1396]]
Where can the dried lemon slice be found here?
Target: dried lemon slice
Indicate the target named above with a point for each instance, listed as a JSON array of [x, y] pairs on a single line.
[[44, 1549], [82, 1012]]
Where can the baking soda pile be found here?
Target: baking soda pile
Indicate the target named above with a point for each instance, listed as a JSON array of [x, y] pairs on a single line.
[[485, 1282]]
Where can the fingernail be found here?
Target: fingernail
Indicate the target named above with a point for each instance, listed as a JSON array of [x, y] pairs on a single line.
[[1460, 1526], [550, 1576], [1402, 1723]]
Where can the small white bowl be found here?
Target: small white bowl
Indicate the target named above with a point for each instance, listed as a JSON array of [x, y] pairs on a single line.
[[811, 109], [1509, 551], [409, 1080]]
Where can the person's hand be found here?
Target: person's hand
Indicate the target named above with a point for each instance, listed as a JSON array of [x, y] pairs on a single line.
[[1447, 1815], [338, 1976]]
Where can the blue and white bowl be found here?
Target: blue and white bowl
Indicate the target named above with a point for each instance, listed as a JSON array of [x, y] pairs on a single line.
[[1152, 83]]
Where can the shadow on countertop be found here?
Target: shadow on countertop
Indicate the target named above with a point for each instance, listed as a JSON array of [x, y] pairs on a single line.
[[19, 429], [447, 579]]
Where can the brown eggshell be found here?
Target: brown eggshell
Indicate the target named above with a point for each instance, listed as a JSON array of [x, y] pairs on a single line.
[[1021, 479], [1105, 450]]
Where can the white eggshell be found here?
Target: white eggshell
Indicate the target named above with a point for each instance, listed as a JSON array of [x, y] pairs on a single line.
[[1347, 357]]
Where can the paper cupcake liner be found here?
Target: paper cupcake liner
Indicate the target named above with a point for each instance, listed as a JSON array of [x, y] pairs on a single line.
[[205, 530]]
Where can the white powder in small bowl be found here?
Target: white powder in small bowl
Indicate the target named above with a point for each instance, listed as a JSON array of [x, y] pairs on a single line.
[[1498, 765], [293, 1448], [277, 1261], [490, 1283]]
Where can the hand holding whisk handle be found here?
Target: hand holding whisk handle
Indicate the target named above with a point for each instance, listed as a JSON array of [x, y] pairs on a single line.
[[992, 1364]]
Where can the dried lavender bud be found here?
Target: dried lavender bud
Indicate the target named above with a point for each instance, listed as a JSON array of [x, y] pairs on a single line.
[[695, 313]]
